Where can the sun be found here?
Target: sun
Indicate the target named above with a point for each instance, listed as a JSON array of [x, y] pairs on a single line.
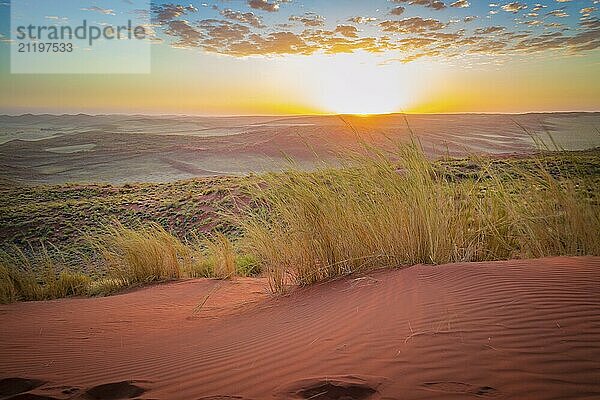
[[358, 84]]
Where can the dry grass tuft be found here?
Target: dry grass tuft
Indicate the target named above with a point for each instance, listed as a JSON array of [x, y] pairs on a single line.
[[221, 253], [389, 210], [16, 285], [141, 255], [67, 284], [105, 287], [38, 277], [130, 257]]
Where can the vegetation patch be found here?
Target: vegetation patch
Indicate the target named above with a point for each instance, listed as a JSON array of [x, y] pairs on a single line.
[[375, 210], [398, 209]]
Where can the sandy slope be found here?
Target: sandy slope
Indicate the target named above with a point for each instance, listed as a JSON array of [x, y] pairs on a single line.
[[518, 330]]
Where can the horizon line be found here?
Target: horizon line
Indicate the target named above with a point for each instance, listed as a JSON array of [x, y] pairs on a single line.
[[74, 114]]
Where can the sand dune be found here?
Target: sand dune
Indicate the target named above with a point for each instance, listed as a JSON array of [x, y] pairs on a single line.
[[511, 330]]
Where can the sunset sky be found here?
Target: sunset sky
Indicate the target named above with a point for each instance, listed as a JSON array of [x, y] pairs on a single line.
[[341, 56]]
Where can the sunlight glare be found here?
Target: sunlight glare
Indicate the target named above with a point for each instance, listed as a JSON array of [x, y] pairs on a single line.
[[359, 84]]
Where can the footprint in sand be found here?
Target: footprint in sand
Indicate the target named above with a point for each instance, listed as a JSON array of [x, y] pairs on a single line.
[[20, 389], [115, 391], [31, 396], [223, 398], [334, 388], [12, 386], [461, 387]]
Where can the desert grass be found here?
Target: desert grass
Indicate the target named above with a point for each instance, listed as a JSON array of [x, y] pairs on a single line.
[[38, 277], [139, 255], [396, 209], [216, 256], [16, 285], [128, 256], [222, 255], [378, 210]]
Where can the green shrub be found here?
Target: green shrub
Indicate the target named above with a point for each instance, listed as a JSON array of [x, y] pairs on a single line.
[[247, 265]]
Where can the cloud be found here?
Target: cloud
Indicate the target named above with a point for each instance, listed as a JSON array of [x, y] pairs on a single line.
[[187, 36], [399, 10], [533, 22], [264, 5], [460, 4], [588, 38], [362, 20], [558, 13], [435, 4], [308, 19], [246, 18], [416, 56], [587, 11], [415, 43], [167, 12], [242, 34], [100, 10], [272, 44], [347, 30], [491, 47], [514, 7], [489, 30], [217, 32], [411, 25]]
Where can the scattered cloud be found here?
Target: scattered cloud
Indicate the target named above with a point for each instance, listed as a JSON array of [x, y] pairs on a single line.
[[265, 5], [362, 20], [167, 12], [587, 11], [489, 30], [514, 7], [186, 35], [105, 11], [558, 13], [411, 25], [308, 19], [399, 10], [244, 17], [460, 4], [347, 30], [435, 4], [245, 33]]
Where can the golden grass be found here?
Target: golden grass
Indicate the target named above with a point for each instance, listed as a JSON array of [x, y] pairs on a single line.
[[379, 210], [394, 210], [215, 256], [222, 255], [38, 277], [142, 255], [129, 256], [105, 287], [16, 285]]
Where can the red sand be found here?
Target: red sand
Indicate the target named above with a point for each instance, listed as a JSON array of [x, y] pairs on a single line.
[[514, 330]]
